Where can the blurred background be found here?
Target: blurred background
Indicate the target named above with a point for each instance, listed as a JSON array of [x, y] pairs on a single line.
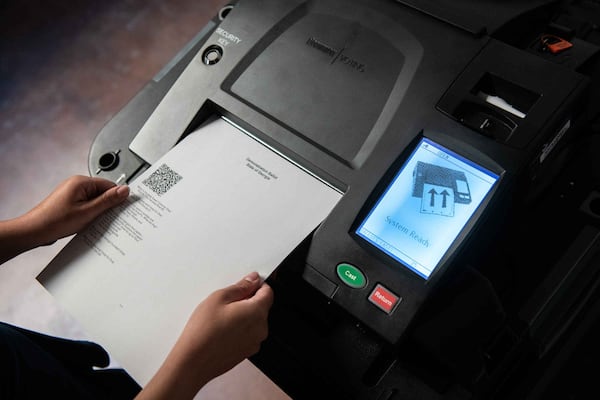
[[66, 68]]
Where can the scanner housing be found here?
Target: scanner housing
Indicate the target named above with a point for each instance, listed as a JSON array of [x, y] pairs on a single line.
[[346, 90]]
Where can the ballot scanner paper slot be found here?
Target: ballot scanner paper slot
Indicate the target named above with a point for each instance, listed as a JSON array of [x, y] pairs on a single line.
[[217, 206], [505, 95], [357, 76], [496, 107], [520, 105]]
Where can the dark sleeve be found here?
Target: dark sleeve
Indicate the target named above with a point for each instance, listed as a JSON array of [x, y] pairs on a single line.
[[36, 365]]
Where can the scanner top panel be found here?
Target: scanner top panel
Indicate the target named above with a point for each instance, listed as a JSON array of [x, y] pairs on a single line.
[[320, 80], [321, 66]]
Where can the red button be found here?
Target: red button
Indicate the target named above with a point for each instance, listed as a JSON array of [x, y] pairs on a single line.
[[383, 298]]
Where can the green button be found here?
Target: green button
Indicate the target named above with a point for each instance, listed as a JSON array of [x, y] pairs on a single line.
[[351, 275]]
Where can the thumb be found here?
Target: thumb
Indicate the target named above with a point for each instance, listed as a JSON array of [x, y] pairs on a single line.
[[242, 289], [109, 198], [264, 296]]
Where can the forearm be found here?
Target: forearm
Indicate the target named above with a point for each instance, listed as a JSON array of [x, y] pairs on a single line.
[[14, 239], [175, 380], [18, 235]]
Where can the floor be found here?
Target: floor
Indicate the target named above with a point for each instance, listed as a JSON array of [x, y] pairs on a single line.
[[65, 69]]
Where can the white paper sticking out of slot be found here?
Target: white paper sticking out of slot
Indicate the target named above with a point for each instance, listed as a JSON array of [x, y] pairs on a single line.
[[501, 104]]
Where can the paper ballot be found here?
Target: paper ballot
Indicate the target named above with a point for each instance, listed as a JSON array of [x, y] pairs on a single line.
[[216, 207]]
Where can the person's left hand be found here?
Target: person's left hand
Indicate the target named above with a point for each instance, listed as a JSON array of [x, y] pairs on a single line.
[[74, 203]]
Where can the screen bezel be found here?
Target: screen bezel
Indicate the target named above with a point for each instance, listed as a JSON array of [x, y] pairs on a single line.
[[459, 149]]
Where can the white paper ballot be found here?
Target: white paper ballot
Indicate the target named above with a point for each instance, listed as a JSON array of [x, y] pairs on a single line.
[[216, 207]]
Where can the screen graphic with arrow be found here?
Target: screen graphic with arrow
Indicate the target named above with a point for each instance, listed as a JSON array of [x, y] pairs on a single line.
[[426, 206]]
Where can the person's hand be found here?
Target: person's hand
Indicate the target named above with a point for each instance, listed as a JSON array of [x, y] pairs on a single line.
[[227, 327], [74, 203], [69, 208]]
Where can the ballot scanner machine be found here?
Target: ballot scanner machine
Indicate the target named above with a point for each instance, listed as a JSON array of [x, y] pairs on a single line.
[[462, 259]]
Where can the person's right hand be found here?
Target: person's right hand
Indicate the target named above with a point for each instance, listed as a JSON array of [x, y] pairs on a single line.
[[227, 327]]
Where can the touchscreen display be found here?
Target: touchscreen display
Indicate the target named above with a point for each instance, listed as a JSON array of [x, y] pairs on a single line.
[[426, 206]]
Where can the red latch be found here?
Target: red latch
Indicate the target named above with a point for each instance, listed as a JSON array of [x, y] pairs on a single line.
[[554, 44]]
